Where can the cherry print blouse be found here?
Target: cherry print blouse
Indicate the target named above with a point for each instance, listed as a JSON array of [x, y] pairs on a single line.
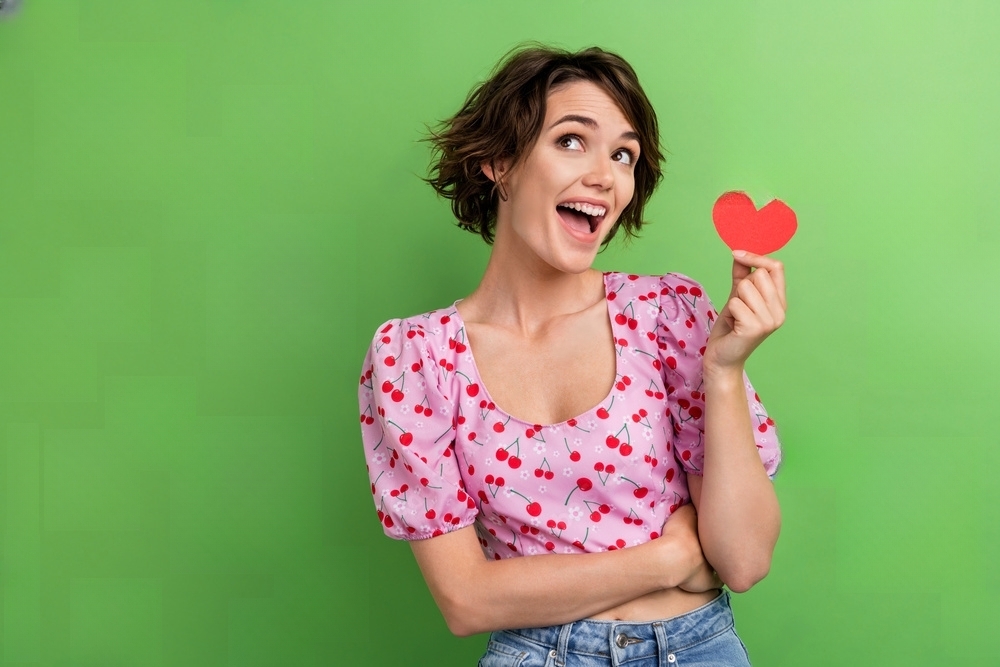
[[442, 455]]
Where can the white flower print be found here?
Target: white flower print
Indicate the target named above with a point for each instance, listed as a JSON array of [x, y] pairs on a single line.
[[591, 424], [398, 507], [488, 461], [532, 551], [647, 433], [418, 425], [421, 385], [653, 312], [577, 442], [389, 474], [567, 472], [445, 410], [542, 490], [539, 447], [404, 409], [379, 458], [407, 345], [575, 513], [525, 474]]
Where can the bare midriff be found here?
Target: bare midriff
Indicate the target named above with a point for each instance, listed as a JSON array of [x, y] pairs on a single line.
[[657, 606]]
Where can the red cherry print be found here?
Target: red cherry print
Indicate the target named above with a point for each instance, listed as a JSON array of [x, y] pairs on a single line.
[[622, 342], [620, 319], [620, 542], [696, 395], [695, 292], [584, 484], [595, 516], [489, 479], [670, 475], [681, 289], [574, 456], [502, 454], [578, 544], [534, 509], [430, 514], [551, 523], [500, 482], [396, 396], [405, 439], [599, 467], [514, 462], [762, 428], [411, 333], [610, 469], [445, 319], [671, 363], [625, 449], [388, 521], [390, 361], [491, 406], [602, 413], [640, 492], [769, 421], [530, 433], [369, 420], [695, 411], [620, 386], [612, 296], [686, 455], [386, 387], [472, 470], [571, 423], [427, 413], [415, 368], [419, 409], [632, 323], [539, 472], [472, 389], [612, 441], [604, 509], [549, 546]]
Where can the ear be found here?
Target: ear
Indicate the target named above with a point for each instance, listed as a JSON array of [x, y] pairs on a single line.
[[493, 171]]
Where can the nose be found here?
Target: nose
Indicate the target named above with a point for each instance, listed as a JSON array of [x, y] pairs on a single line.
[[600, 173]]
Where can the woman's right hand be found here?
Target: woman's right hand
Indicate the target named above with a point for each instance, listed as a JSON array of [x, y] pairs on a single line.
[[681, 531]]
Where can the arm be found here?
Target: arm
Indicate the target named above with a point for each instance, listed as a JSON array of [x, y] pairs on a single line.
[[479, 595], [739, 517]]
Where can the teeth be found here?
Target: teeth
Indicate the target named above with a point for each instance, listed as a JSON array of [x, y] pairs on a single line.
[[595, 211]]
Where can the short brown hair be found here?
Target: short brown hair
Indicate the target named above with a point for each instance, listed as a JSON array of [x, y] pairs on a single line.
[[502, 118]]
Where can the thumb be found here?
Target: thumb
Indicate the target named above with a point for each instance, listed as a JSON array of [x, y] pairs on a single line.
[[740, 271]]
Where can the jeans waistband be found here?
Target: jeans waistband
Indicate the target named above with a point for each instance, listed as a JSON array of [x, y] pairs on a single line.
[[628, 641]]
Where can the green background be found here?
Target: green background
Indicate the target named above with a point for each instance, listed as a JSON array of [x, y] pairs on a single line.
[[206, 208]]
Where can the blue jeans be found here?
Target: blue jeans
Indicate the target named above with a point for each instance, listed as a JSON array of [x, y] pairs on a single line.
[[700, 638]]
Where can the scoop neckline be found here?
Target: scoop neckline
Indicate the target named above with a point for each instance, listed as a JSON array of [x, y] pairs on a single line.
[[577, 418]]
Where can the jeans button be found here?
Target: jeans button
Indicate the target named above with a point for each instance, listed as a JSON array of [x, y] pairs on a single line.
[[671, 658], [621, 641]]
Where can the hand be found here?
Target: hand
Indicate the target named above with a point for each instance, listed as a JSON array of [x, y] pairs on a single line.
[[755, 309], [681, 529]]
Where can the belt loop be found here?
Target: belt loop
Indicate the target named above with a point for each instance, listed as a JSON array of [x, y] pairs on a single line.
[[662, 646], [562, 644]]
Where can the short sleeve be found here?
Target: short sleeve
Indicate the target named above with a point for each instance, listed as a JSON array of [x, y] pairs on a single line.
[[408, 432], [684, 321]]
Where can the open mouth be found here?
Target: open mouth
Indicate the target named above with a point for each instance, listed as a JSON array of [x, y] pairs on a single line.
[[584, 218]]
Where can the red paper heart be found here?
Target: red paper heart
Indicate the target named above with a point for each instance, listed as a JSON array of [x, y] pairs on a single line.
[[743, 227]]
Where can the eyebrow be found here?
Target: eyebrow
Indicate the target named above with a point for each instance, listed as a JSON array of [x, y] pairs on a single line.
[[592, 124]]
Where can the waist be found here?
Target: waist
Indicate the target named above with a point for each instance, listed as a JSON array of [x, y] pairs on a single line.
[[656, 606], [601, 637]]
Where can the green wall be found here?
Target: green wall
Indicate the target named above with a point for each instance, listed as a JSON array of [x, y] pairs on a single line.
[[207, 207]]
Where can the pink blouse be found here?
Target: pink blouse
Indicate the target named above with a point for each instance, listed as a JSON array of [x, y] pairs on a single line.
[[442, 456]]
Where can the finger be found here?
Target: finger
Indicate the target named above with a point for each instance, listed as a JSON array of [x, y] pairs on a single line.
[[765, 285], [761, 314], [743, 316], [740, 271], [774, 267]]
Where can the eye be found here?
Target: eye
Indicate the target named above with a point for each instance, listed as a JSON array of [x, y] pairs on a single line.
[[570, 142], [624, 155]]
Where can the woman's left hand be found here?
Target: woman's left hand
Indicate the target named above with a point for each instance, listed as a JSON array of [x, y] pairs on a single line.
[[756, 307]]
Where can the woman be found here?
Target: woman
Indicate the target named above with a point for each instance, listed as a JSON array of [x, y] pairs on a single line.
[[559, 419]]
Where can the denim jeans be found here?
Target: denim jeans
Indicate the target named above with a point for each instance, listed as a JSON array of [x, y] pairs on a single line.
[[700, 638]]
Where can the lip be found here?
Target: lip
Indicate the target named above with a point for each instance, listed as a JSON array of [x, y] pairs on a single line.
[[587, 200]]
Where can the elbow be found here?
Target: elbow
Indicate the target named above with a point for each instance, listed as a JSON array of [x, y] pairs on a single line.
[[460, 614], [744, 577]]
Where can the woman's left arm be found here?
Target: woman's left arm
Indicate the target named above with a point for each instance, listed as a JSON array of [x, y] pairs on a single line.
[[738, 514]]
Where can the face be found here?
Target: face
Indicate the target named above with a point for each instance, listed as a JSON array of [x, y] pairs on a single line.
[[568, 192]]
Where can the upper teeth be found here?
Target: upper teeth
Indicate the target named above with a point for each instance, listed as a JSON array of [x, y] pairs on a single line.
[[596, 211]]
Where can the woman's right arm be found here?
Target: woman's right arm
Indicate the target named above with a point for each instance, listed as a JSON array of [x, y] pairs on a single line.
[[479, 595]]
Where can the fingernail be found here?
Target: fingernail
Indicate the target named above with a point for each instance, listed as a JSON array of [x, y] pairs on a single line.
[[739, 253]]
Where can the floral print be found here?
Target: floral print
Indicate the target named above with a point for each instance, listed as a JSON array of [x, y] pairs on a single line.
[[441, 455]]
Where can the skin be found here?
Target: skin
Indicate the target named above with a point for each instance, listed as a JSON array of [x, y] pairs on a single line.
[[543, 344]]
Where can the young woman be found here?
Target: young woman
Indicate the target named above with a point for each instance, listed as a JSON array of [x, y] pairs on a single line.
[[577, 457]]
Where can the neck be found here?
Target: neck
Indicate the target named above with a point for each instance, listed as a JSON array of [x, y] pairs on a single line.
[[520, 291]]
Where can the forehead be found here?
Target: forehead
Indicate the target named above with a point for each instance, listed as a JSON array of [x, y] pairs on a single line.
[[585, 98]]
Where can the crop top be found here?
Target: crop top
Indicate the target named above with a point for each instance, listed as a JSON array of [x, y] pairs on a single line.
[[442, 455]]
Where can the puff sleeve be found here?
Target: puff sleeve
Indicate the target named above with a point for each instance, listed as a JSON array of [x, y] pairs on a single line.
[[408, 432], [684, 322]]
